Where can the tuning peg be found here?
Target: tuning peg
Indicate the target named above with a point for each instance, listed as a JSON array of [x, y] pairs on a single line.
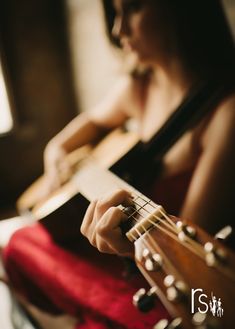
[[185, 231], [214, 254], [226, 236], [143, 300], [203, 321], [152, 262], [164, 324], [176, 289]]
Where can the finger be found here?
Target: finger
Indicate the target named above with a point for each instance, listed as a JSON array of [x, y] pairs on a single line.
[[64, 170], [52, 181], [88, 218], [108, 229], [119, 243], [102, 245], [113, 199], [111, 220]]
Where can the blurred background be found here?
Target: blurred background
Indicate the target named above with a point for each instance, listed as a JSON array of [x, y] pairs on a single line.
[[55, 61]]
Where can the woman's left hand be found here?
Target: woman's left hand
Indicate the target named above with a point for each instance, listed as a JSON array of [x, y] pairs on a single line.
[[101, 224]]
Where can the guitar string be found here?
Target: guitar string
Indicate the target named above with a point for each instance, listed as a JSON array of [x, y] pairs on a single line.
[[159, 227], [196, 245], [149, 213], [226, 271], [167, 265], [156, 247], [188, 242], [152, 245], [169, 222], [200, 250]]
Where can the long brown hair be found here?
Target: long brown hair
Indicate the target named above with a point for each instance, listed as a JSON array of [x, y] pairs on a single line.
[[201, 34]]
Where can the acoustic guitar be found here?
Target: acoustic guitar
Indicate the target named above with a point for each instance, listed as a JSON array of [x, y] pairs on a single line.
[[192, 273]]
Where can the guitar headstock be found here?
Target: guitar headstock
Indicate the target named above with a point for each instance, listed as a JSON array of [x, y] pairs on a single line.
[[191, 272]]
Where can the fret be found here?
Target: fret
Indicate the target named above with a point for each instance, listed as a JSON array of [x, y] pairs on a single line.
[[140, 201], [146, 206]]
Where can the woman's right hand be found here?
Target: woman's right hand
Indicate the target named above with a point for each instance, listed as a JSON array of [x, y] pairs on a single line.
[[56, 165]]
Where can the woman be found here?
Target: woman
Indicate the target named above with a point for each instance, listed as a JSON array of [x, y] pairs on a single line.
[[177, 45], [167, 36]]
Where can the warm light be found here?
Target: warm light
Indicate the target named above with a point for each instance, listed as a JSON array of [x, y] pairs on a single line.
[[6, 120]]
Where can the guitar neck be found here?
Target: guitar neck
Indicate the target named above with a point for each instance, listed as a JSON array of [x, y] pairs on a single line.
[[94, 182]]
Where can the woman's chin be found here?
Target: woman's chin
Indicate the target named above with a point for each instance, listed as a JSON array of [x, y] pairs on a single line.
[[135, 59]]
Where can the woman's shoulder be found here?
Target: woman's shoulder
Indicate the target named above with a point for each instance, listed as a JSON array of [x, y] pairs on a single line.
[[220, 127]]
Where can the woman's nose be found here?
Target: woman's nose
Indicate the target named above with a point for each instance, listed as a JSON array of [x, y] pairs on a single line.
[[120, 27]]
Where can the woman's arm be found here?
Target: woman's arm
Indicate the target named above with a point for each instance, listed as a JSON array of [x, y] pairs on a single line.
[[111, 112], [87, 127], [210, 200]]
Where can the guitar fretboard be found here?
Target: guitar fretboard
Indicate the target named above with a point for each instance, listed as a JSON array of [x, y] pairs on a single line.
[[95, 182]]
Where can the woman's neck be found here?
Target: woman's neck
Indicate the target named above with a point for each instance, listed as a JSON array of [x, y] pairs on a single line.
[[173, 76]]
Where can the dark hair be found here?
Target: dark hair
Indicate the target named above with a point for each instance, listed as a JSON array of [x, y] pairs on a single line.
[[205, 41], [201, 33], [109, 15]]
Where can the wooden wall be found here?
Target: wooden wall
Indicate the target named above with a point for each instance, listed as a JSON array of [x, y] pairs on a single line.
[[34, 46]]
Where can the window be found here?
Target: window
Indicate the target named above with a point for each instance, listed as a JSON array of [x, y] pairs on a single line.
[[6, 119]]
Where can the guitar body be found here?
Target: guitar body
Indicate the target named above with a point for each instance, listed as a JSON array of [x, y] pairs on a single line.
[[66, 205]]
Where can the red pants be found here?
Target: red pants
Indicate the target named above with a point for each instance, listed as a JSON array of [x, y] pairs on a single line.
[[83, 283]]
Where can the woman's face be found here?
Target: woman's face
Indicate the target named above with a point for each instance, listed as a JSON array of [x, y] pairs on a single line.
[[141, 26]]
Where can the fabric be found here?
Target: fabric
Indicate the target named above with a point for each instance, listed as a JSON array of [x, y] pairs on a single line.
[[83, 283]]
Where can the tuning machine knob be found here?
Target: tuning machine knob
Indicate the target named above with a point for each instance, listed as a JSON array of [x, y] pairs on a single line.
[[224, 234], [145, 301], [185, 231], [213, 254], [203, 321], [153, 262], [165, 324], [176, 289]]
